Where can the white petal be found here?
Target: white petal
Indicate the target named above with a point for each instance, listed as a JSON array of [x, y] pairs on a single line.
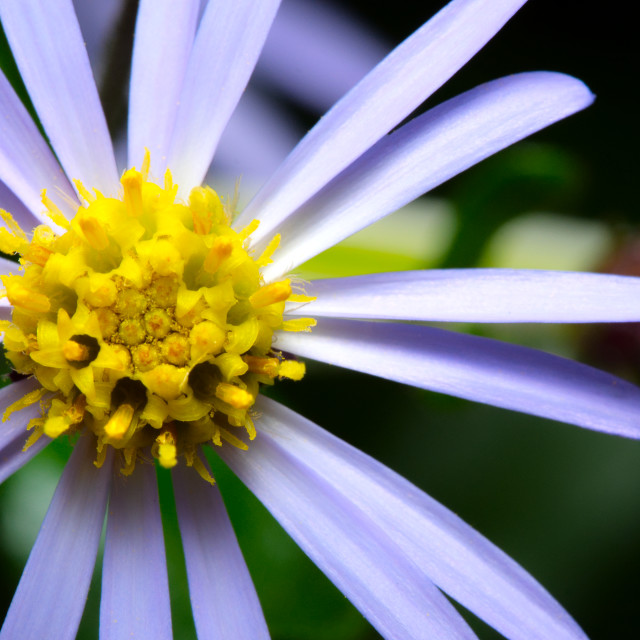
[[26, 163], [362, 560], [477, 295], [452, 554], [423, 154], [229, 40], [223, 598], [53, 589], [135, 588], [478, 369], [387, 95], [162, 46], [9, 202], [47, 44]]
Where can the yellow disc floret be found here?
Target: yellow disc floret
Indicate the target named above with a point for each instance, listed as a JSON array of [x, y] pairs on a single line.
[[146, 322]]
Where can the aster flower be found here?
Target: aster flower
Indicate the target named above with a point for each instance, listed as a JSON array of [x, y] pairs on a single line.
[[147, 325]]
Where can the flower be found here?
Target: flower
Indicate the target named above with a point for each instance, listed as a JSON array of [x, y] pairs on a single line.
[[153, 272]]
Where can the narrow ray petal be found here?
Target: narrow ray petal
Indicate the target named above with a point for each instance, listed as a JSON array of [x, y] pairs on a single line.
[[135, 588], [47, 44], [162, 45], [10, 202], [478, 295], [229, 40], [361, 560], [387, 95], [456, 557], [479, 369], [13, 431], [53, 589], [424, 153], [26, 163], [223, 598]]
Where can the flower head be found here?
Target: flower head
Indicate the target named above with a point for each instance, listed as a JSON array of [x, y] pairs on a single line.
[[148, 315]]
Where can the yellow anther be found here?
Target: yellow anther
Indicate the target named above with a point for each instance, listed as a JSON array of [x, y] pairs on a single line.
[[292, 369], [75, 352], [145, 357], [206, 209], [235, 396], [146, 164], [132, 181], [249, 229], [131, 331], [176, 349], [206, 338], [166, 259], [36, 253], [265, 256], [219, 252], [85, 194], [94, 232], [108, 322], [266, 366], [101, 291], [30, 398], [119, 422], [20, 296], [164, 291], [227, 436], [131, 303], [53, 210], [165, 449], [165, 380], [157, 323], [298, 324], [270, 294]]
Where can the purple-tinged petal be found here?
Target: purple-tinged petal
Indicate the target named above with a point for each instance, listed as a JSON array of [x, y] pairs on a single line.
[[316, 52], [11, 203], [452, 554], [26, 163], [7, 267], [229, 40], [135, 588], [53, 589], [13, 432], [387, 95], [49, 50], [478, 369], [163, 41], [362, 560], [423, 154], [223, 598], [477, 295]]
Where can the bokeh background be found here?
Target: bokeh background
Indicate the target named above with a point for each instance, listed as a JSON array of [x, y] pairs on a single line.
[[561, 500]]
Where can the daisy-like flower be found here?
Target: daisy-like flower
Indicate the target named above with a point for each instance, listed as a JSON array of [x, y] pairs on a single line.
[[147, 314]]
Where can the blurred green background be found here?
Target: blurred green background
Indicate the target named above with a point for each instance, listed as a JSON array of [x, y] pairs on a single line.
[[560, 500]]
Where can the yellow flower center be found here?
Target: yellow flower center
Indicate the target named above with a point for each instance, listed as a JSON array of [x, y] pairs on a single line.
[[146, 322]]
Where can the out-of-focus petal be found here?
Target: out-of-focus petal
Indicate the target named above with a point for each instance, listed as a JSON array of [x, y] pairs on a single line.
[[53, 589], [387, 95], [316, 52], [135, 589], [360, 559], [229, 40], [26, 163], [223, 598], [13, 431], [452, 554], [162, 45], [256, 140], [478, 369], [48, 48], [477, 295], [424, 153]]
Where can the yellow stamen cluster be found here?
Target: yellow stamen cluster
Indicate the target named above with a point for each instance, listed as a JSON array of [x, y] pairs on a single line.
[[146, 320]]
